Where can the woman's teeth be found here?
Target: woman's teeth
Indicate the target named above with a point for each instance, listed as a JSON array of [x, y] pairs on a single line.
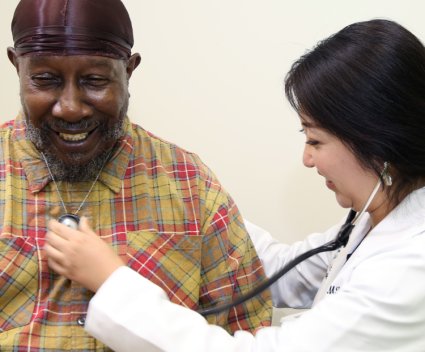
[[73, 137]]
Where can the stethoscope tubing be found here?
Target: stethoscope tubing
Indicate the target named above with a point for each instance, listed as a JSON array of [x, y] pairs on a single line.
[[340, 240]]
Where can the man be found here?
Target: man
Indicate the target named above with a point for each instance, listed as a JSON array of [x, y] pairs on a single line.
[[73, 152]]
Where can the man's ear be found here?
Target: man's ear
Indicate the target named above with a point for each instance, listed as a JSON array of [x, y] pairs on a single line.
[[132, 64], [13, 57]]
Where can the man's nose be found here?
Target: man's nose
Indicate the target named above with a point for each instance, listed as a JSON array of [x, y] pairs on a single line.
[[308, 160], [71, 104]]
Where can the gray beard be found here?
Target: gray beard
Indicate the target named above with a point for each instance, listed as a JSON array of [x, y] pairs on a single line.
[[75, 172]]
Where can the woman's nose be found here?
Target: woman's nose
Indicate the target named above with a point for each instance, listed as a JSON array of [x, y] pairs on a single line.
[[308, 157], [71, 104]]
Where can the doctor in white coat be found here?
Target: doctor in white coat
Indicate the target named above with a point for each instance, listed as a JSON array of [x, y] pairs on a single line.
[[360, 97]]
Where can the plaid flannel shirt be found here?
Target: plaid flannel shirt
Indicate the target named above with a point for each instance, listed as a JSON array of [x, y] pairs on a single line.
[[157, 205]]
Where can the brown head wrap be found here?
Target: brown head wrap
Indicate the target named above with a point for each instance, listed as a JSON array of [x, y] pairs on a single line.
[[72, 27]]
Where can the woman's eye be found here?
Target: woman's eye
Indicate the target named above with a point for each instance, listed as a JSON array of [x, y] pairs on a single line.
[[311, 142]]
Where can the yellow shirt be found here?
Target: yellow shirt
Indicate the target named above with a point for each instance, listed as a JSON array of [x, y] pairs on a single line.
[[157, 205]]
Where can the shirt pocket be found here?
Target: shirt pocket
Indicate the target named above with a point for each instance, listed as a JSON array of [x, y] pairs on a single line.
[[172, 261], [18, 282]]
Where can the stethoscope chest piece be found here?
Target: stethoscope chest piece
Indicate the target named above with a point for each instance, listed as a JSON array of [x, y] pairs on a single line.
[[70, 220]]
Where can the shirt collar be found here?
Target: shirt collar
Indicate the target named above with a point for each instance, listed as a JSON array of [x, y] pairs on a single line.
[[36, 170]]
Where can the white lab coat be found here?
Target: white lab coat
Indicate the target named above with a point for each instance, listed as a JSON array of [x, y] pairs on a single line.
[[375, 303]]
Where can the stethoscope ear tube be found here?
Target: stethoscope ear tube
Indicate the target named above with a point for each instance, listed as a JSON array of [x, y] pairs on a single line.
[[340, 240], [344, 232]]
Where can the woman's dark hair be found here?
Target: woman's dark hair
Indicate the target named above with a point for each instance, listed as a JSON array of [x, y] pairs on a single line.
[[366, 85]]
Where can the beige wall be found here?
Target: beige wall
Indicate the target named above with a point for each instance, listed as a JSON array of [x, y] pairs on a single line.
[[211, 81]]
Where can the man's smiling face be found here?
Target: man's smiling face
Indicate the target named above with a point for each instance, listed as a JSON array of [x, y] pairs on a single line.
[[74, 106]]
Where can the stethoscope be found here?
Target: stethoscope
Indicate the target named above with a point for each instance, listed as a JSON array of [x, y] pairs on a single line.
[[340, 240]]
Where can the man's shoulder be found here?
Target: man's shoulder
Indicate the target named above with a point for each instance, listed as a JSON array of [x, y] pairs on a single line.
[[155, 151], [146, 136], [152, 147]]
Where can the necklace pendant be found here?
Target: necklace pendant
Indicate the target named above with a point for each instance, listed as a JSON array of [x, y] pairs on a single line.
[[70, 220]]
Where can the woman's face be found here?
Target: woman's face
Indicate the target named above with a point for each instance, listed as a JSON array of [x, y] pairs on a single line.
[[343, 173]]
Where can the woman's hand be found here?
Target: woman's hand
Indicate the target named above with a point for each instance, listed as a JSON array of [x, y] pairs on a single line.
[[80, 255]]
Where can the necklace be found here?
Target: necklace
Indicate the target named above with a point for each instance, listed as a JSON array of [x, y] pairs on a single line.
[[69, 219]]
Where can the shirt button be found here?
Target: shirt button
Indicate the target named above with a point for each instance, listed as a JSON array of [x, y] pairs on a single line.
[[81, 321]]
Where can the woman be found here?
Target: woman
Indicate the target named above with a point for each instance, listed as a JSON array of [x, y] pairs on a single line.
[[360, 97]]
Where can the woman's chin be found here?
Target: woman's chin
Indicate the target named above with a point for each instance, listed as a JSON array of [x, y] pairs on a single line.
[[343, 201]]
